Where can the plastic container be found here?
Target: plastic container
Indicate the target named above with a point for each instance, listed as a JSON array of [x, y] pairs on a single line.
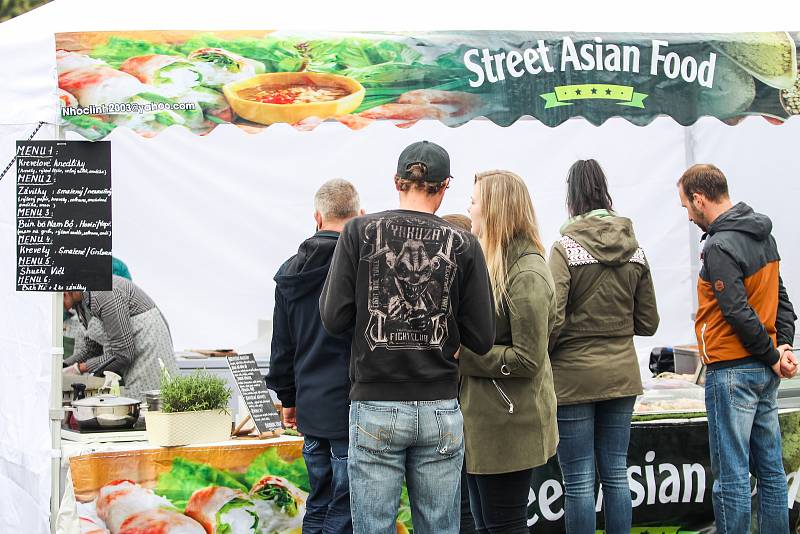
[[687, 358], [689, 399]]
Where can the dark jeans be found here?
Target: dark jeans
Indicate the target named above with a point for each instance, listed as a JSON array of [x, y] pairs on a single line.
[[745, 437], [328, 505], [595, 433], [500, 502]]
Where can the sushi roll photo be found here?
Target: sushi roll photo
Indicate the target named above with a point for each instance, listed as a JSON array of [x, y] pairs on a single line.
[[223, 511]]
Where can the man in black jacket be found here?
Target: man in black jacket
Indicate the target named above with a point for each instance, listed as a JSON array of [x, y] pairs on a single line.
[[412, 288], [308, 367]]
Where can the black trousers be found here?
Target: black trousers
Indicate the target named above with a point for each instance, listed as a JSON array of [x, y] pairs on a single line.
[[467, 521], [499, 503]]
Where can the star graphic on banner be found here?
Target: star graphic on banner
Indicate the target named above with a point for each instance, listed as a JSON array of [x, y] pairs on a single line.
[[608, 92], [577, 91], [594, 90]]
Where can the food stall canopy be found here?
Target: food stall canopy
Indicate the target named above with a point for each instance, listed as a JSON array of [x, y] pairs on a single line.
[[30, 95], [150, 80]]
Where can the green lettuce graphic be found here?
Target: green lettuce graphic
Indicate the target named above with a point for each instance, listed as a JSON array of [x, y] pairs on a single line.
[[186, 477], [270, 463]]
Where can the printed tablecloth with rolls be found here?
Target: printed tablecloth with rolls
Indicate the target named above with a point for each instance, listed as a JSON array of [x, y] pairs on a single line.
[[261, 487]]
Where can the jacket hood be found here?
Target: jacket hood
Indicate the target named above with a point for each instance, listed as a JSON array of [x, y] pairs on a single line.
[[609, 239], [742, 218], [306, 271]]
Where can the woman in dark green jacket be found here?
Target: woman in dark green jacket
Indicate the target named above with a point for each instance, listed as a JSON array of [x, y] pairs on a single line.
[[507, 395], [604, 296]]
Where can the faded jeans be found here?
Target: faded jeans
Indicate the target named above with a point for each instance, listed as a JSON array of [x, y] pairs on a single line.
[[419, 440], [744, 437]]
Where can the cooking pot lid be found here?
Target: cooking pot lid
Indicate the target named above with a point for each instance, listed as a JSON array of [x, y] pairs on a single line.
[[105, 400]]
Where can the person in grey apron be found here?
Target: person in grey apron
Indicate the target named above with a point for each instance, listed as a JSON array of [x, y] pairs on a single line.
[[132, 338]]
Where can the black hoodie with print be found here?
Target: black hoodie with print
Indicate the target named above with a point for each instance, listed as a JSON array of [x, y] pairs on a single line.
[[412, 288]]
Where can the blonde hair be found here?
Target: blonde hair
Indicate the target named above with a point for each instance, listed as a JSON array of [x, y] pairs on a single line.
[[458, 220], [508, 214]]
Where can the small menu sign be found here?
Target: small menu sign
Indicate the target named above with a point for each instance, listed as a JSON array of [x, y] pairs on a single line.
[[254, 390], [63, 216]]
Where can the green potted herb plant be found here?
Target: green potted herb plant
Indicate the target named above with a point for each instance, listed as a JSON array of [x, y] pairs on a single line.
[[194, 409]]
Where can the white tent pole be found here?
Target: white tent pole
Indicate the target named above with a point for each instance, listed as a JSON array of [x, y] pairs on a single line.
[[56, 408], [56, 412], [694, 237]]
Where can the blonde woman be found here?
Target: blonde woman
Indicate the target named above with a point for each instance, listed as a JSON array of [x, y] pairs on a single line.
[[507, 395]]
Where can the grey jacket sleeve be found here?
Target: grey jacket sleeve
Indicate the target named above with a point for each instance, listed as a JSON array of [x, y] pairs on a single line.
[[87, 351], [114, 313], [645, 311], [727, 281], [784, 322], [337, 303], [476, 319]]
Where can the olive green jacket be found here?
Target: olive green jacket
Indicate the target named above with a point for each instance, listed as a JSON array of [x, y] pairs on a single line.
[[605, 296], [507, 395]]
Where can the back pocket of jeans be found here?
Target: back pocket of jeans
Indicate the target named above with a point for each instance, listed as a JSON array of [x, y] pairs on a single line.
[[374, 427], [745, 387], [309, 444], [451, 431]]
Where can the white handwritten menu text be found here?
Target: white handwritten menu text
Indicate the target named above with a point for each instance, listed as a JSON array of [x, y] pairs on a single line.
[[63, 215], [254, 390]]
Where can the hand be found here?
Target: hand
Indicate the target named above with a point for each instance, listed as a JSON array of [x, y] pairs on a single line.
[[457, 354], [289, 417], [72, 370], [788, 362]]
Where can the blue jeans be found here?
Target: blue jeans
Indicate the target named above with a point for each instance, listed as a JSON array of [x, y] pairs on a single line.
[[328, 505], [596, 433], [421, 440], [744, 437]]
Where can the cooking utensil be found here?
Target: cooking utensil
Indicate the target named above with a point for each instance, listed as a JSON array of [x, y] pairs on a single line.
[[152, 399], [105, 412]]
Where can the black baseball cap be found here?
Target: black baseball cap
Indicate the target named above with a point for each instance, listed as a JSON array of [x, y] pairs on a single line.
[[432, 156]]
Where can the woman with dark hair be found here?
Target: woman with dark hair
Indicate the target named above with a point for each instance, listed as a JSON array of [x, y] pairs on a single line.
[[604, 296]]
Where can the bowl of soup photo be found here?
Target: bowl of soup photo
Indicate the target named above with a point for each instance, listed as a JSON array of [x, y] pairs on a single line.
[[293, 96]]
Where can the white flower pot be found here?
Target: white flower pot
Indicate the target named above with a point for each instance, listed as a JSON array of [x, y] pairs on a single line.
[[187, 428]]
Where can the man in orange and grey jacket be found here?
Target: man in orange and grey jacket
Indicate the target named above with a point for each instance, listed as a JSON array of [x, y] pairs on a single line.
[[744, 327]]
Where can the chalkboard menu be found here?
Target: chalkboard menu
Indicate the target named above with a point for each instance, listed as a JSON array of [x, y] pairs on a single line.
[[63, 215], [254, 390]]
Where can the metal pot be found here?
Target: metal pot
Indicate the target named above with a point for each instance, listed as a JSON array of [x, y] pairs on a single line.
[[152, 399], [105, 412]]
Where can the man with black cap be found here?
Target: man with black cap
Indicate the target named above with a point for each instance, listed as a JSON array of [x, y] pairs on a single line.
[[411, 288]]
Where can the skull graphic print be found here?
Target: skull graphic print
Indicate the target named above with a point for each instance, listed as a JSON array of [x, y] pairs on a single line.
[[411, 270]]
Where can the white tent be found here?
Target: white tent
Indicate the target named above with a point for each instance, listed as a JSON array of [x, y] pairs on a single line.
[[204, 222]]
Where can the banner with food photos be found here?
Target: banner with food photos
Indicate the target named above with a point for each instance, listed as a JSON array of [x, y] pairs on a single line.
[[262, 488], [148, 81], [669, 473], [243, 488]]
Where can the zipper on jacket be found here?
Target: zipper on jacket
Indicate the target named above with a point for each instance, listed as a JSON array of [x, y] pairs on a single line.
[[703, 340], [506, 398]]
